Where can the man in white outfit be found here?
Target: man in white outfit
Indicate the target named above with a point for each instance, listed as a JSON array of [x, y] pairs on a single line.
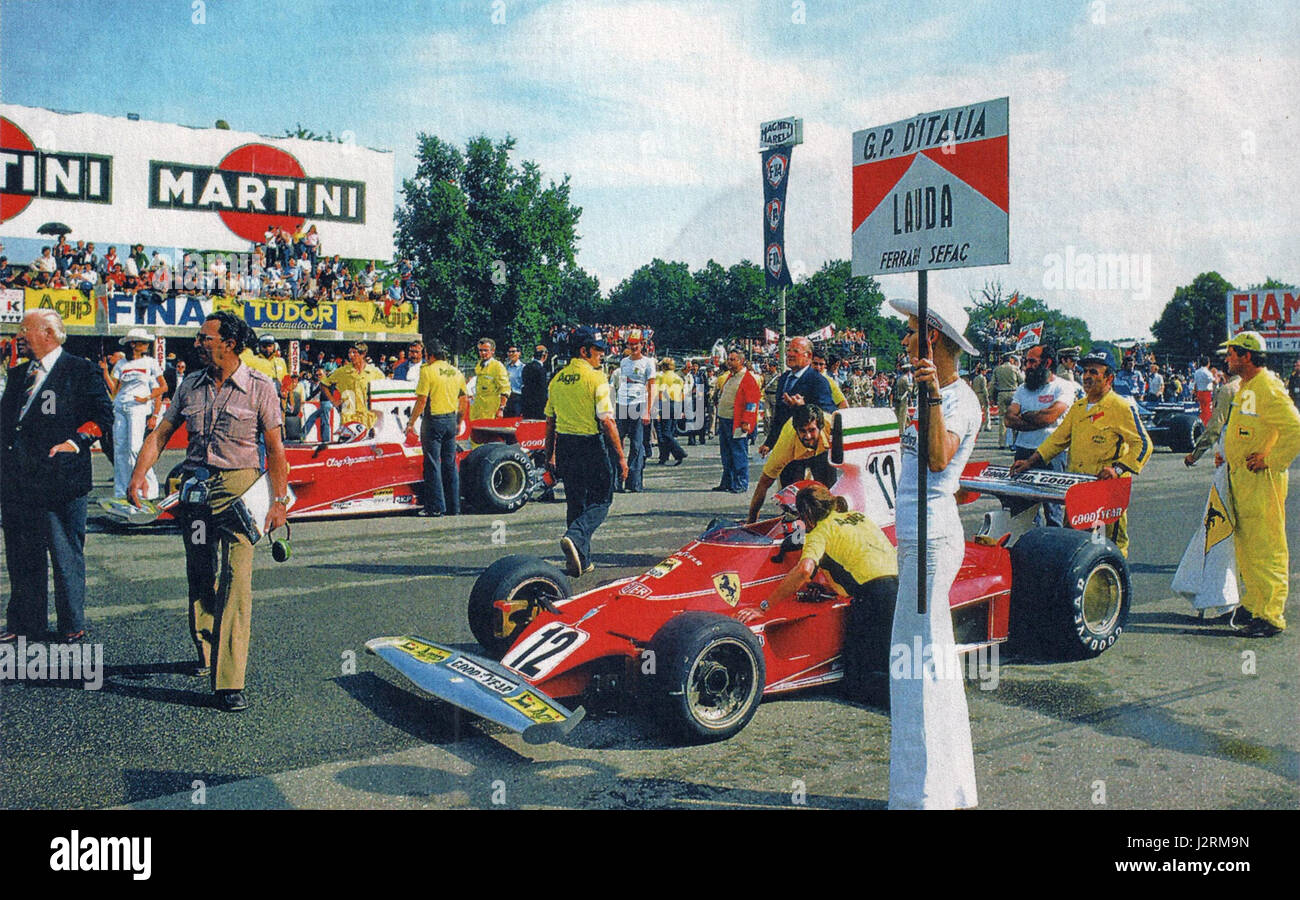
[[137, 385], [931, 762]]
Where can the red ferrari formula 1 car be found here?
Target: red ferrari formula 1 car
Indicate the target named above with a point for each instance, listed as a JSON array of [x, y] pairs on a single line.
[[382, 473], [673, 634]]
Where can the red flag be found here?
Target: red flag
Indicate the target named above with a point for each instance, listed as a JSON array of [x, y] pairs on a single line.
[[1015, 298]]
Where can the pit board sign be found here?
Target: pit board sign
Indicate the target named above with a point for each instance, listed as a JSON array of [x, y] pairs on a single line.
[[931, 192]]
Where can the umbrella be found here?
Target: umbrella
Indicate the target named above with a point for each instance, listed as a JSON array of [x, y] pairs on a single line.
[[55, 228]]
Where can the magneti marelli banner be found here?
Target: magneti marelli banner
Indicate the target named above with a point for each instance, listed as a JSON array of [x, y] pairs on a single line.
[[776, 175]]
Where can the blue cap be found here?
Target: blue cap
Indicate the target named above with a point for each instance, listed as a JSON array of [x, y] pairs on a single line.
[[1098, 355], [587, 337]]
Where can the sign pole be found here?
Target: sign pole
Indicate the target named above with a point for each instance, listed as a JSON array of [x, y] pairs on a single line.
[[922, 438], [780, 319]]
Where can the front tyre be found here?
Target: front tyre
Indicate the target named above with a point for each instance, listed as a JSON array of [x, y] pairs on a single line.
[[1070, 594], [508, 596], [709, 676]]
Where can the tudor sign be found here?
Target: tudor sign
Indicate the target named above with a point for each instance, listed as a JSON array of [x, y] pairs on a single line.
[[253, 187]]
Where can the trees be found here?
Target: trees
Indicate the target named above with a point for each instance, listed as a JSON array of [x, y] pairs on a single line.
[[991, 304], [1194, 321], [493, 249], [833, 294]]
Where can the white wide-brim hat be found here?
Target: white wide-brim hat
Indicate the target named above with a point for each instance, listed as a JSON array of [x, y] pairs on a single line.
[[136, 336], [945, 315]]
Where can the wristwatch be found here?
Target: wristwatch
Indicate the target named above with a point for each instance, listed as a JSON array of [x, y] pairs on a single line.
[[283, 501]]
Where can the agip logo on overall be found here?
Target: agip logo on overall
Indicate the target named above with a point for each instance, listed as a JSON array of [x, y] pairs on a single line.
[[27, 172], [254, 187]]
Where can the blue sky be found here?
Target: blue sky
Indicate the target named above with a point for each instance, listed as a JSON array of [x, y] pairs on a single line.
[[1161, 130]]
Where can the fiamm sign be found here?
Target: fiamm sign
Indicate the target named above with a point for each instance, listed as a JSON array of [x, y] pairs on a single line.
[[1274, 313]]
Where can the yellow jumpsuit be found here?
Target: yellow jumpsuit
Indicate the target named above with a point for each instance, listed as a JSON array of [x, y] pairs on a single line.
[[1263, 420], [492, 385], [1105, 433]]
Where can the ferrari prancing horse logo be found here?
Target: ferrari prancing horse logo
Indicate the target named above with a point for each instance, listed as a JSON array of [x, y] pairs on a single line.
[[727, 584]]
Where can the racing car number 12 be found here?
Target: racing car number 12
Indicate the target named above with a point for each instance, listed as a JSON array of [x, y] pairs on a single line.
[[541, 653]]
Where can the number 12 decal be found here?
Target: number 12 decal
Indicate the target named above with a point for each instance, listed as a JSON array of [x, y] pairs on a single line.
[[544, 651], [876, 467]]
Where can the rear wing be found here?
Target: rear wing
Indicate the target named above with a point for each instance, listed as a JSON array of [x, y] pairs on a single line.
[[1089, 502], [865, 448]]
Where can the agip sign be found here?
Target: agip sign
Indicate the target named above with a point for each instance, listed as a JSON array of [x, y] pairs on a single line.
[[115, 181]]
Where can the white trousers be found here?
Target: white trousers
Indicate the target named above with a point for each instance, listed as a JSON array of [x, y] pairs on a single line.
[[128, 436], [931, 762]]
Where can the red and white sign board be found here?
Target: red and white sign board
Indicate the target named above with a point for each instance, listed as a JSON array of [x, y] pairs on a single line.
[[1274, 313], [1029, 336], [931, 192]]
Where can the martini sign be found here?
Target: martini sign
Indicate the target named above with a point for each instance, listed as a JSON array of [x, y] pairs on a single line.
[[931, 192]]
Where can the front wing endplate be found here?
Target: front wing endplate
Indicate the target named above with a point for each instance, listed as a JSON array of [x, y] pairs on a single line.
[[479, 686]]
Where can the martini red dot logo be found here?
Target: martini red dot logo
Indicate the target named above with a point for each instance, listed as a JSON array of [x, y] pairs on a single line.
[[27, 173], [255, 187], [16, 147], [260, 159]]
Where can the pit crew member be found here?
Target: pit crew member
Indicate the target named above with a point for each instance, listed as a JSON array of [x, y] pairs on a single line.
[[1036, 408], [579, 413], [1103, 433], [803, 446], [353, 385], [859, 563], [492, 383], [1261, 439], [441, 396]]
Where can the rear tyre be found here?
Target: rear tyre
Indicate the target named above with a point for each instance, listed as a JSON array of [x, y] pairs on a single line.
[[1070, 594], [495, 477], [522, 584], [1184, 431], [709, 676]]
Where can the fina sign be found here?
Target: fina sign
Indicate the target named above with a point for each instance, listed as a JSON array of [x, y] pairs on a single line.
[[781, 132], [931, 192]]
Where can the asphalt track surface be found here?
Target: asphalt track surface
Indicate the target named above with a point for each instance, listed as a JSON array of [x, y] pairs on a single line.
[[1176, 715]]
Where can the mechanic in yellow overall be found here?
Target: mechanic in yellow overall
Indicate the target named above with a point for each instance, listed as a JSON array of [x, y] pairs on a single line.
[[803, 446], [1103, 433], [492, 384], [858, 561], [1261, 439], [353, 384]]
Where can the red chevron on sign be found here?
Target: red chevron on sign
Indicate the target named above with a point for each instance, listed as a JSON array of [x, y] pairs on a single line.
[[932, 191]]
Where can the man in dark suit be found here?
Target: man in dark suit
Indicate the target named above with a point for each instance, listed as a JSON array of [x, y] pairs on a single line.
[[534, 386], [45, 477], [799, 385]]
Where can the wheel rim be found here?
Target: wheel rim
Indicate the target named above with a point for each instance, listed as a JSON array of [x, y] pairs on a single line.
[[509, 480], [1103, 598], [525, 597], [721, 684]]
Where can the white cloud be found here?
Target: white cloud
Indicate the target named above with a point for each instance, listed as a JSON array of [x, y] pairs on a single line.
[[1126, 137]]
